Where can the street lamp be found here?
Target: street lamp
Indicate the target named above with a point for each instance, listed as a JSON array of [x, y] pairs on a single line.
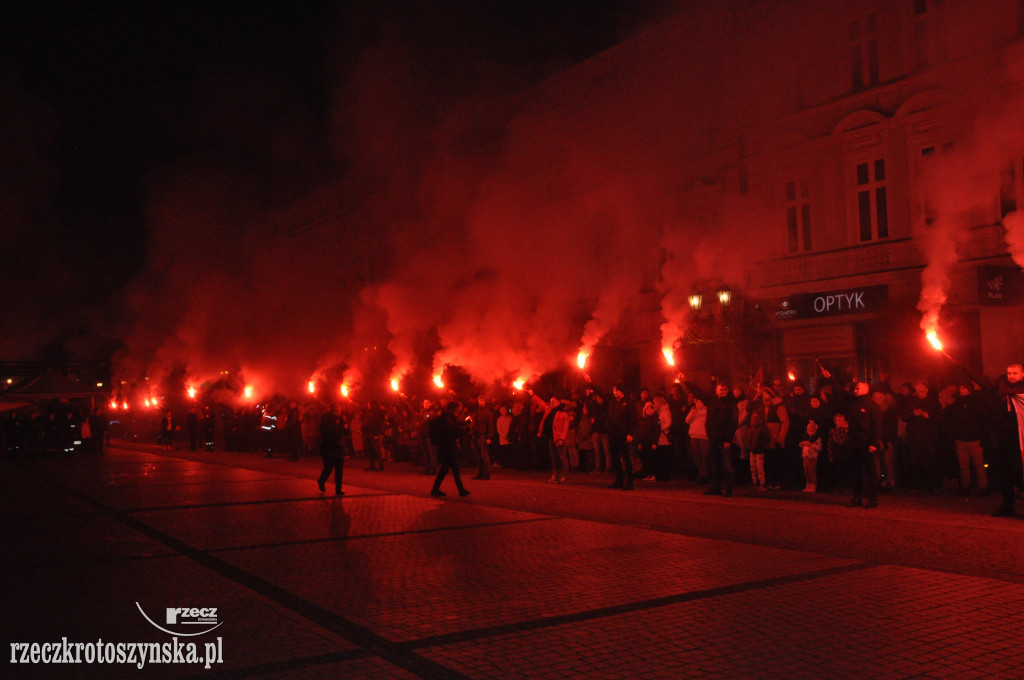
[[724, 296], [695, 301]]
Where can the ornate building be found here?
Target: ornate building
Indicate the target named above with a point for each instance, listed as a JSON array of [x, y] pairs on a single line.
[[865, 152]]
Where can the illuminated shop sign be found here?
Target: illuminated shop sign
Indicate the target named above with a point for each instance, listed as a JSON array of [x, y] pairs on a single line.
[[833, 303]]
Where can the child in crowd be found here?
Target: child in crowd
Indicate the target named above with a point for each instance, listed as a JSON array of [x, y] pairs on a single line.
[[838, 451], [809, 449], [758, 439]]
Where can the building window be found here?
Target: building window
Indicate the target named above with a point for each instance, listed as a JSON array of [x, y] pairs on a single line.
[[864, 52], [708, 222], [798, 216], [929, 155], [1011, 187], [926, 32], [872, 203]]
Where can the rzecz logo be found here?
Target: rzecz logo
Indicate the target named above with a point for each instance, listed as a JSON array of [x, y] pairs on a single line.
[[186, 616]]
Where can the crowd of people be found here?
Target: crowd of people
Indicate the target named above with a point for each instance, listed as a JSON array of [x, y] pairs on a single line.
[[829, 436], [53, 429]]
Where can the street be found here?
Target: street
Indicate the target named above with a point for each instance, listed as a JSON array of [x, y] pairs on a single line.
[[520, 579]]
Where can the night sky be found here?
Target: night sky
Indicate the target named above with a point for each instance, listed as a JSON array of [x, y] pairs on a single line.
[[105, 104]]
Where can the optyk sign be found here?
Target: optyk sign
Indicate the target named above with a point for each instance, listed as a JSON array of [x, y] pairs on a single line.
[[834, 302]]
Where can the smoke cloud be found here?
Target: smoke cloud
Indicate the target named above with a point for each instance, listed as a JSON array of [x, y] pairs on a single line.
[[474, 226]]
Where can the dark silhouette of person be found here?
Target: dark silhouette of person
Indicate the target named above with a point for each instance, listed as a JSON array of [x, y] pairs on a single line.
[[1007, 430], [333, 434], [445, 434]]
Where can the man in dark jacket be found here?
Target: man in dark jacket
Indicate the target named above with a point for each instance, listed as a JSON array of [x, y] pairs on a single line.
[[445, 434], [865, 438], [968, 417], [1008, 431], [333, 434], [621, 432], [484, 433], [721, 423]]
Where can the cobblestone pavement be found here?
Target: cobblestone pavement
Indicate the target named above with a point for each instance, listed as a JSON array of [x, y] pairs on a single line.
[[522, 579]]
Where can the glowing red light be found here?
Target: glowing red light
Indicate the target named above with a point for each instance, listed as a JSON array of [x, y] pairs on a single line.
[[191, 393], [394, 384], [581, 358], [518, 384], [439, 381], [312, 387], [669, 356], [344, 390], [933, 338], [248, 392]]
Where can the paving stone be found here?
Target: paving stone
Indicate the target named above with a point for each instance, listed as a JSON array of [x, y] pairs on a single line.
[[85, 604], [444, 582], [321, 518], [845, 624], [522, 579]]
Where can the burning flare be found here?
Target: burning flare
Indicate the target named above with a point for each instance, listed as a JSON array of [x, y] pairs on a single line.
[[191, 392], [248, 392], [394, 384], [933, 338], [438, 380], [344, 390], [669, 356], [312, 387], [519, 383], [581, 358]]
